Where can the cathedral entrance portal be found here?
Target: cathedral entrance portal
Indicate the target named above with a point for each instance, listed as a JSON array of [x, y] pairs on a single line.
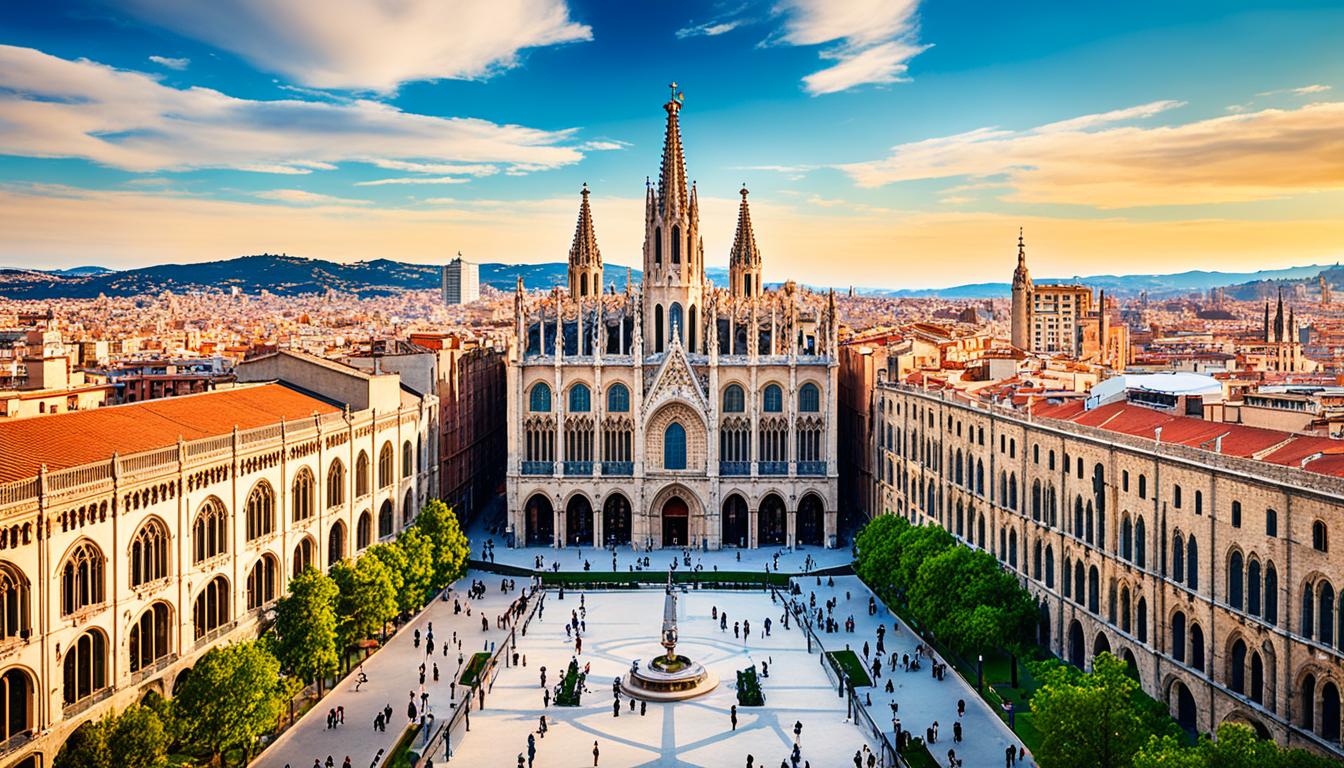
[[579, 522], [676, 523], [773, 522], [616, 520], [735, 521], [540, 519]]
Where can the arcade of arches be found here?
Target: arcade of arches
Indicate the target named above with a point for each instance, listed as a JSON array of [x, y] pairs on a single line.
[[675, 518]]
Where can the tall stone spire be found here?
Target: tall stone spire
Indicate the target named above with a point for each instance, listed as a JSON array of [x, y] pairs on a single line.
[[1022, 289], [585, 260], [1278, 318], [744, 260], [672, 174]]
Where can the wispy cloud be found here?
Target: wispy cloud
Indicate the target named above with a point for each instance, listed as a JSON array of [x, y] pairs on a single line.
[[359, 45], [1084, 122], [709, 29], [53, 107], [604, 145], [1243, 157], [171, 63], [871, 41], [301, 197], [414, 180], [1305, 90]]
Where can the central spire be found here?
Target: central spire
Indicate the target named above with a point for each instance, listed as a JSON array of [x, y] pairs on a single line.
[[672, 175], [585, 260]]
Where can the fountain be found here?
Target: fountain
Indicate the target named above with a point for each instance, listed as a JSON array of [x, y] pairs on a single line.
[[669, 677]]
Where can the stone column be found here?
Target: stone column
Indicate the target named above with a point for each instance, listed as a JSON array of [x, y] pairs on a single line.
[[558, 528], [791, 525], [599, 540], [751, 527]]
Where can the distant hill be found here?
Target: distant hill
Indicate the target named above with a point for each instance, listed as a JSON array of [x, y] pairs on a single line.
[[291, 276], [282, 275]]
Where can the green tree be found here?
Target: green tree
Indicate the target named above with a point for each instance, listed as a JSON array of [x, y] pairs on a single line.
[[138, 738], [305, 627], [367, 600], [417, 555], [233, 695], [1237, 746], [394, 557], [440, 525], [1168, 752], [86, 747], [1089, 720]]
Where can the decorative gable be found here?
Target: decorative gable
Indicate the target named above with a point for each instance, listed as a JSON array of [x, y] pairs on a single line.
[[675, 380]]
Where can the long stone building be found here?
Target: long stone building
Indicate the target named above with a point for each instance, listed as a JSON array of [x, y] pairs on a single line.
[[673, 413], [133, 538], [1198, 552]]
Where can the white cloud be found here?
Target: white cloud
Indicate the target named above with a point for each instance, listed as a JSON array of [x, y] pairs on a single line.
[[1114, 116], [1305, 90], [604, 145], [171, 63], [414, 180], [1242, 157], [478, 169], [301, 197], [871, 40], [361, 45], [709, 28], [53, 107]]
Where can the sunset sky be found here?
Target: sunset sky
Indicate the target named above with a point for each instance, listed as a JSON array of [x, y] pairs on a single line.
[[894, 144]]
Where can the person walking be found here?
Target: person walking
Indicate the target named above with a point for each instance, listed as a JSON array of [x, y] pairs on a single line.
[[956, 732], [643, 707], [595, 754], [616, 708], [732, 716], [1009, 756], [797, 731]]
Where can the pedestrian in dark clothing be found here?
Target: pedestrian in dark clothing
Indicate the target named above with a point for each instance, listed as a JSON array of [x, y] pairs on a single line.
[[732, 715], [643, 707], [797, 731], [616, 708], [1009, 757], [595, 753], [956, 732]]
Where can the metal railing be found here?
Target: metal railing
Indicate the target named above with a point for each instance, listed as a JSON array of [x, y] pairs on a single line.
[[734, 468], [618, 468], [538, 467], [812, 468], [578, 467]]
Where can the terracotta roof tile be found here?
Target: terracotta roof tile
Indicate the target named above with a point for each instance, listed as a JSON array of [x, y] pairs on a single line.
[[80, 437]]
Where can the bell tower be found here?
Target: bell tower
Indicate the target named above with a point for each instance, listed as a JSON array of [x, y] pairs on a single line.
[[585, 260], [1022, 289], [674, 271]]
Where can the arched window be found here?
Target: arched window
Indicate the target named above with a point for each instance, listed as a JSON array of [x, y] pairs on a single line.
[[148, 638], [14, 603], [407, 459], [362, 475], [1094, 590], [1126, 623], [1320, 538], [773, 399], [580, 399], [260, 583], [82, 578], [209, 534], [1140, 543], [1191, 563], [385, 521], [618, 399], [809, 398], [304, 495], [305, 553], [658, 334], [675, 325], [1196, 647], [734, 399], [85, 666], [674, 447], [1126, 538], [1236, 679], [676, 244], [1078, 583], [364, 531], [1050, 567], [211, 609], [540, 399], [1177, 557], [385, 475], [336, 484], [149, 553], [658, 245], [16, 696], [1178, 637], [1253, 582], [1234, 581], [1271, 594], [1141, 619], [260, 511], [1325, 626]]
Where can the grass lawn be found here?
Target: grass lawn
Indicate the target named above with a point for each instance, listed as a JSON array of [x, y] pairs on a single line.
[[852, 666], [620, 578], [475, 666], [401, 755], [917, 755]]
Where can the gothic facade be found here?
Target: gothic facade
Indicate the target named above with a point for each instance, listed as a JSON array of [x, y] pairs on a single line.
[[673, 413]]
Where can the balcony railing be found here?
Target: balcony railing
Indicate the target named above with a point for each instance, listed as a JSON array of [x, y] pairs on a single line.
[[74, 708], [734, 468], [812, 468], [538, 467], [578, 467], [618, 468], [772, 467]]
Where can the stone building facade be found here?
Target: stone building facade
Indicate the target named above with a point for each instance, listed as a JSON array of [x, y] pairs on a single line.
[[1202, 558], [673, 413], [134, 538]]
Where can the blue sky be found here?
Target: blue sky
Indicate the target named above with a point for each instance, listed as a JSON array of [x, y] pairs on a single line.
[[893, 143]]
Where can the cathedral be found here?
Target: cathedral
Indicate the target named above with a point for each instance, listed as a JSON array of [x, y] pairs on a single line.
[[672, 413]]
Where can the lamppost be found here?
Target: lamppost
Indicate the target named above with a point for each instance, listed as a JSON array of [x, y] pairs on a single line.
[[980, 673]]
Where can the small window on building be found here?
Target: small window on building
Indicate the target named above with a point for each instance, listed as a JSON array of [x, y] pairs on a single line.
[[1124, 481], [1176, 496], [1236, 514], [1143, 486], [1320, 537], [1199, 502], [1271, 523]]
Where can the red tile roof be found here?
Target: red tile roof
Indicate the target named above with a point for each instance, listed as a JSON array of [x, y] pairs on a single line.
[[80, 437]]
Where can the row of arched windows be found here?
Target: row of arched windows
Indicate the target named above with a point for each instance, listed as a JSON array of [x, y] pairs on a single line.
[[1253, 588], [618, 398]]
